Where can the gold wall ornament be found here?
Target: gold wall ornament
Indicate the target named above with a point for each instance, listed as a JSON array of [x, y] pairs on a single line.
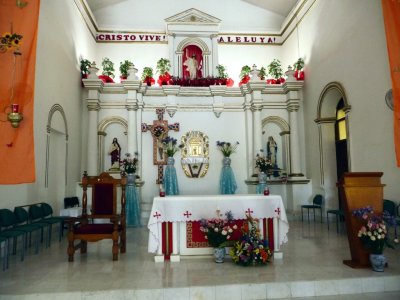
[[195, 154]]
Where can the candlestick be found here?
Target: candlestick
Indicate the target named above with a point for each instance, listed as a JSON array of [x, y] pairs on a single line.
[[14, 108]]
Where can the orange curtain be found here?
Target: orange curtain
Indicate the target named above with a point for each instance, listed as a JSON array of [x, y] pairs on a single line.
[[17, 156], [391, 14]]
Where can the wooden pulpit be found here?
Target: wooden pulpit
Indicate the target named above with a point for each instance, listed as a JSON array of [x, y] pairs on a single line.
[[359, 189]]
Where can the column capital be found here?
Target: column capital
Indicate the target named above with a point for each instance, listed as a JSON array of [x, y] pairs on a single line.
[[171, 89], [93, 104], [292, 85], [293, 106], [218, 90], [93, 84], [131, 84]]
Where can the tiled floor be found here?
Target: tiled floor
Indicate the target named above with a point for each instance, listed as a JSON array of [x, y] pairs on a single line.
[[312, 266]]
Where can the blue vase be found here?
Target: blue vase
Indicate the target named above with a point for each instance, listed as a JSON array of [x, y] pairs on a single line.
[[219, 255], [227, 181], [132, 203], [378, 262], [170, 181]]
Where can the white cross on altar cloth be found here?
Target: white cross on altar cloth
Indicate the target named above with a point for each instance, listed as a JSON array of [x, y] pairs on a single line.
[[173, 209]]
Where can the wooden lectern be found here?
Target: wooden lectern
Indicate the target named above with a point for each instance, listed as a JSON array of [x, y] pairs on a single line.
[[359, 189]]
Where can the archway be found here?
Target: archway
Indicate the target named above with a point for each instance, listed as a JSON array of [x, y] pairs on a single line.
[[332, 107], [56, 171]]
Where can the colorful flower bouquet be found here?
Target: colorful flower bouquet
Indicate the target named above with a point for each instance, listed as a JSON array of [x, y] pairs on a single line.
[[373, 233], [263, 164], [170, 146], [129, 163], [218, 231], [250, 249], [227, 148], [10, 41]]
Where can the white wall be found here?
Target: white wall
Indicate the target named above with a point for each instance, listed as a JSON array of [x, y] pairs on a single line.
[[344, 41]]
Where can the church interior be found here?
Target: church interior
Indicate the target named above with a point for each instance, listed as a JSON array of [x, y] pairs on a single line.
[[308, 87]]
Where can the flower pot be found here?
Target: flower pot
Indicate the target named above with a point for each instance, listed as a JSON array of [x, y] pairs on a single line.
[[219, 255], [378, 262]]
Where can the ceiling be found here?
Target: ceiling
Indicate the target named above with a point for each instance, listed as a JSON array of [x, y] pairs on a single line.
[[279, 7]]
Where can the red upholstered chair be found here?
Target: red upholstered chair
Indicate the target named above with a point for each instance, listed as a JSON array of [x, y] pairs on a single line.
[[103, 221]]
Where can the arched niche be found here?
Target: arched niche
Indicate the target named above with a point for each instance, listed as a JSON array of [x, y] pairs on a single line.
[[56, 170], [279, 129], [206, 63], [108, 129]]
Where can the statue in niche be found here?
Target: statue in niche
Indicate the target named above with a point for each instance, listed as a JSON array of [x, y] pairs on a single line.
[[115, 152], [192, 65], [272, 149]]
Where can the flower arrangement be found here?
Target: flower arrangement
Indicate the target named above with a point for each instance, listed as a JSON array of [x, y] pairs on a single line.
[[222, 77], [218, 231], [124, 67], [10, 41], [227, 148], [250, 249], [373, 233], [263, 164], [129, 163], [221, 71], [170, 146]]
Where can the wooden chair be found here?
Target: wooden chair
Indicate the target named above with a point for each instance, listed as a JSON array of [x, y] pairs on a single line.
[[103, 209]]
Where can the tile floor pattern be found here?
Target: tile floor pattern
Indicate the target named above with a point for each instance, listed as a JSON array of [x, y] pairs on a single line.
[[311, 268]]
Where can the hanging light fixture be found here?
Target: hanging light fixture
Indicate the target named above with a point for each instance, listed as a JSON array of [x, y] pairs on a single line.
[[11, 41]]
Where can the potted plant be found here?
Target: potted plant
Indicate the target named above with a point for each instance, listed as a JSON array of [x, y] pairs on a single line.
[[217, 232], [263, 73], [108, 70], [147, 76], [124, 67], [163, 67], [85, 65], [222, 77], [227, 148], [276, 72], [298, 69], [244, 75], [373, 235]]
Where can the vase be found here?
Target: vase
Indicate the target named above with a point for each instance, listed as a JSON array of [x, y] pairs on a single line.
[[170, 181], [378, 262], [262, 177], [130, 177], [219, 255], [227, 180]]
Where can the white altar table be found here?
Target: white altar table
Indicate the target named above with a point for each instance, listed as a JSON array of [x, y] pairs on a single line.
[[181, 209]]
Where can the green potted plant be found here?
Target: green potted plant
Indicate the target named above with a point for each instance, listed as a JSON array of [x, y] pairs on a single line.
[[85, 65], [263, 73], [163, 67], [244, 75], [108, 70], [298, 69], [124, 67], [276, 72], [147, 76]]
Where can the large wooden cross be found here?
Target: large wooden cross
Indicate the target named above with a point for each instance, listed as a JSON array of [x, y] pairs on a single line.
[[159, 131]]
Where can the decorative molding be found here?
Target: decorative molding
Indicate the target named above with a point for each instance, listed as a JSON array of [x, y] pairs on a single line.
[[192, 15]]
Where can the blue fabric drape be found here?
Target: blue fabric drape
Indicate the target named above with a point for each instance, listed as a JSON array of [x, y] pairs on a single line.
[[227, 181], [132, 205], [170, 181]]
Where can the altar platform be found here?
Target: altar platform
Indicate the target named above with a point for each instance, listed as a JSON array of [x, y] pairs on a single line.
[[311, 266]]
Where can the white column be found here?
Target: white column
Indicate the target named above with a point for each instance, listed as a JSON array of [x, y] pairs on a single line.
[[255, 86], [132, 107], [257, 129], [93, 116], [295, 171], [214, 55], [171, 47]]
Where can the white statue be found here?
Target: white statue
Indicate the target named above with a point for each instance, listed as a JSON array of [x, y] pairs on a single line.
[[192, 65]]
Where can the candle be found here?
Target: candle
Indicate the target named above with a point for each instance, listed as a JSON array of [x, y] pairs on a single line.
[[14, 108]]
